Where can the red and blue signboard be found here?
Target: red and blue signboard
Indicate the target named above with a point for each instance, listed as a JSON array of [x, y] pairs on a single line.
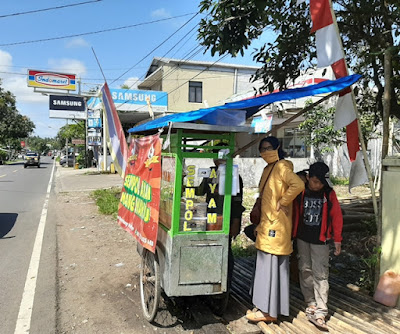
[[53, 80]]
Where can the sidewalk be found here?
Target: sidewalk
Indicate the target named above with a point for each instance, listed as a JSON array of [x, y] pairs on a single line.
[[68, 179]]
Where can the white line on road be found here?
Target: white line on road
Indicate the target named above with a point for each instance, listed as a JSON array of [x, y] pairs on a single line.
[[25, 308], [15, 170], [3, 175]]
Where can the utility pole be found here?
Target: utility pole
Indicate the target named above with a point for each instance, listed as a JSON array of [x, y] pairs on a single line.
[[386, 102], [385, 145], [66, 146]]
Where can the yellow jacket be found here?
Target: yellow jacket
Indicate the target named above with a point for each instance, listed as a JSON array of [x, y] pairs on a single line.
[[275, 228]]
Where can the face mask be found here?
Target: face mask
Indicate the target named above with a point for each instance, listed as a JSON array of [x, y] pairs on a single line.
[[270, 156]]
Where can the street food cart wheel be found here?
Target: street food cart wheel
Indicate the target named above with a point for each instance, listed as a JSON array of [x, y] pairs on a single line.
[[150, 289]]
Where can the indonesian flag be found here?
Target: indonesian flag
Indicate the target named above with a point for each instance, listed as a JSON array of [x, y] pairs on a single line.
[[330, 53], [116, 141]]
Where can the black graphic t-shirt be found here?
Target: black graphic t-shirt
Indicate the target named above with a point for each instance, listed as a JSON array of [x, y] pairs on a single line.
[[310, 222]]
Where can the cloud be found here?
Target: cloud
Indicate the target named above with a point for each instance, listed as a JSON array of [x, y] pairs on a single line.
[[5, 61], [132, 82], [77, 43], [160, 13], [18, 86], [70, 66], [35, 105], [16, 83]]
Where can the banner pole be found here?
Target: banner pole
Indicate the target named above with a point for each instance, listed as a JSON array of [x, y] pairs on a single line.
[[360, 135]]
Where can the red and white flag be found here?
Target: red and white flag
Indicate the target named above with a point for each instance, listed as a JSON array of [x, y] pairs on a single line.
[[330, 53]]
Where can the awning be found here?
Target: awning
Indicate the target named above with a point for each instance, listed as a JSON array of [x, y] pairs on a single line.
[[253, 105]]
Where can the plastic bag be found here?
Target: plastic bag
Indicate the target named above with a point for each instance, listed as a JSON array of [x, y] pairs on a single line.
[[388, 289]]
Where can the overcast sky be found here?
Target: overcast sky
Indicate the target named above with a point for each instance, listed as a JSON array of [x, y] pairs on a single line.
[[118, 50]]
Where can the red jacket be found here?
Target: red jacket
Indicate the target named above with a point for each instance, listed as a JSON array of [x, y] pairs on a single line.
[[336, 219]]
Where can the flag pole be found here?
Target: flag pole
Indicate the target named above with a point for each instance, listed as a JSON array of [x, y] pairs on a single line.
[[104, 119], [98, 63], [360, 135]]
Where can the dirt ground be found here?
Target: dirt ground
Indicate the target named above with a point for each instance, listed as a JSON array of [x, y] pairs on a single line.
[[98, 274], [98, 270]]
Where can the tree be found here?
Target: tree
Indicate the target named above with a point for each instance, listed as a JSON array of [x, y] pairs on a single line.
[[39, 144], [71, 131], [319, 128], [367, 28], [13, 125]]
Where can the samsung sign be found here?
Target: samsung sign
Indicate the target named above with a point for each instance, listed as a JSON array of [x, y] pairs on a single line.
[[130, 100], [72, 107], [75, 103]]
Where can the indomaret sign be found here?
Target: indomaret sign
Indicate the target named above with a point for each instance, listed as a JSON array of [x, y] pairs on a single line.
[[51, 80]]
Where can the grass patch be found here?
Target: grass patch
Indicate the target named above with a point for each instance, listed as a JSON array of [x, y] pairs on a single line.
[[339, 181], [107, 200], [100, 172]]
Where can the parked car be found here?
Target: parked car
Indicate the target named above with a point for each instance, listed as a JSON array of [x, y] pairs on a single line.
[[32, 159], [63, 160]]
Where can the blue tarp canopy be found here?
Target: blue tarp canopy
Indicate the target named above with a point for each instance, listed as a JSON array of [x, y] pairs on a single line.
[[252, 105]]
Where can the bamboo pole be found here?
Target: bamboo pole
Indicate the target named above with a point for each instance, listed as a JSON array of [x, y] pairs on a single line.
[[360, 136]]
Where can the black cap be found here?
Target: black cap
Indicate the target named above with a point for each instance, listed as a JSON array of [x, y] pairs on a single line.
[[321, 171]]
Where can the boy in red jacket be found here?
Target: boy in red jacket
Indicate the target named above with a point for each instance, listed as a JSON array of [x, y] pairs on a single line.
[[317, 218]]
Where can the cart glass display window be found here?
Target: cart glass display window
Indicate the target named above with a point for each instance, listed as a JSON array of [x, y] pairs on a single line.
[[201, 206], [167, 190]]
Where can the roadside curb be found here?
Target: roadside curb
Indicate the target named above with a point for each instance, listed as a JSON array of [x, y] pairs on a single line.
[[79, 180]]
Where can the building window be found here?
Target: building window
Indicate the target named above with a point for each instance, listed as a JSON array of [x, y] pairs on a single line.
[[293, 143], [195, 91]]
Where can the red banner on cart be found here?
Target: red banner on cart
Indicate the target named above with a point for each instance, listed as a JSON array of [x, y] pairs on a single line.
[[140, 197]]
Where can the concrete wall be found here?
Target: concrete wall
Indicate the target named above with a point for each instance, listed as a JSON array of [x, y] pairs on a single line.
[[217, 85], [390, 257]]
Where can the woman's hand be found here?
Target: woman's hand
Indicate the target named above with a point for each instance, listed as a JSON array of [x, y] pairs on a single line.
[[285, 209]]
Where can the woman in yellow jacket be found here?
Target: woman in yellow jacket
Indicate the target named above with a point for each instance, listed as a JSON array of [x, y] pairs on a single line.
[[278, 187]]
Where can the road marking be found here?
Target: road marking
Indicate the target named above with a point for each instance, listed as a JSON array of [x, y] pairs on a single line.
[[28, 296], [3, 175], [14, 171]]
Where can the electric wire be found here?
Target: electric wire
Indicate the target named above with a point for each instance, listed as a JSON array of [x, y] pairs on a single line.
[[95, 32], [184, 83], [189, 38], [144, 75], [162, 78], [101, 79], [50, 8], [159, 45]]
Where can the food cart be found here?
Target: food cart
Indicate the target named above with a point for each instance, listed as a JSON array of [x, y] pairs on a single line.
[[191, 253]]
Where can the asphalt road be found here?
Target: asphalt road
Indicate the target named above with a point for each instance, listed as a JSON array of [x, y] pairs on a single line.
[[27, 249]]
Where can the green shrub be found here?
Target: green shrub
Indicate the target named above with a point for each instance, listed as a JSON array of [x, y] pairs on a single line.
[[80, 159], [370, 225], [339, 181], [367, 279], [3, 155]]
